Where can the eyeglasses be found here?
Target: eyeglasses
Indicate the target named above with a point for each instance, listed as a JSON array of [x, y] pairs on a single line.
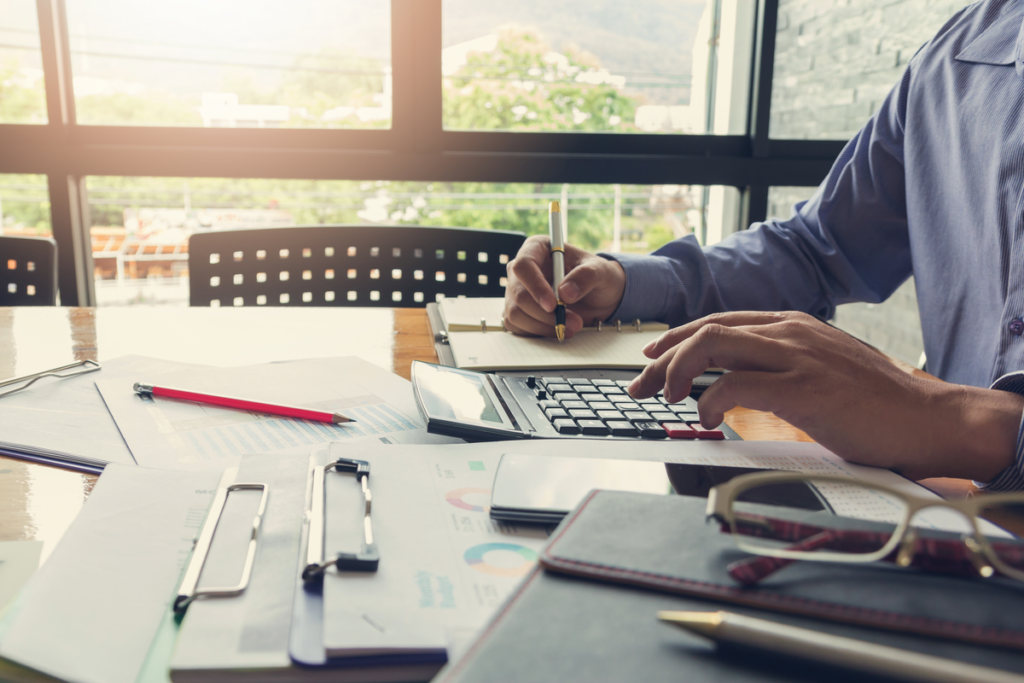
[[787, 516]]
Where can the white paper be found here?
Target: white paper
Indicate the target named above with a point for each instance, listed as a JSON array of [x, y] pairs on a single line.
[[18, 560], [90, 613], [191, 436], [66, 419]]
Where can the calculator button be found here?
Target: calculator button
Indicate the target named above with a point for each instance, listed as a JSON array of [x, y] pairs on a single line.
[[574, 404], [583, 414], [552, 380], [610, 415], [663, 417], [650, 430], [707, 433], [637, 416], [601, 405], [544, 405], [624, 382], [555, 413], [681, 408], [579, 380], [620, 398], [647, 401], [610, 390], [555, 388], [565, 396], [603, 382], [622, 429], [593, 427], [679, 430], [690, 403], [566, 427], [587, 389]]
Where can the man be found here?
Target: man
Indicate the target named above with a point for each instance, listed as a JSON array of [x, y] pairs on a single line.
[[933, 186]]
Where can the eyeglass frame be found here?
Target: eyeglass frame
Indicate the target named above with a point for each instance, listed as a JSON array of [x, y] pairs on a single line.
[[721, 498]]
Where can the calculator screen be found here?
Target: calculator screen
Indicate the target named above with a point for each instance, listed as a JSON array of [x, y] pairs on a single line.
[[455, 395]]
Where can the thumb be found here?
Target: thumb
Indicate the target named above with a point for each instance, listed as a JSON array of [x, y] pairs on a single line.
[[581, 281]]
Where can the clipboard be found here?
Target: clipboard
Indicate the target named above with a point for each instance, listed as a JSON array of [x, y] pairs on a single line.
[[306, 642]]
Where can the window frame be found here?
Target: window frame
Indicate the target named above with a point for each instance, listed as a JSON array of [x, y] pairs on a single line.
[[415, 148]]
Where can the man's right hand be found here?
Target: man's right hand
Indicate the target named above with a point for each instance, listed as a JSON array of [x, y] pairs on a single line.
[[591, 290]]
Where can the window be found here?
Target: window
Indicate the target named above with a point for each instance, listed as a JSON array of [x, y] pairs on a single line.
[[24, 206], [639, 67], [22, 95], [232, 64]]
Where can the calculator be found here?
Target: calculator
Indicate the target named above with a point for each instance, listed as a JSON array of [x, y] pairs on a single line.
[[478, 406]]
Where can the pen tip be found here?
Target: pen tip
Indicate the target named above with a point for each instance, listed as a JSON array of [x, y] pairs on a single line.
[[701, 623], [553, 207], [560, 333]]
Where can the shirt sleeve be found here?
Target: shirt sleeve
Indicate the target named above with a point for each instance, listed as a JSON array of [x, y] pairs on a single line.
[[847, 243], [1012, 478]]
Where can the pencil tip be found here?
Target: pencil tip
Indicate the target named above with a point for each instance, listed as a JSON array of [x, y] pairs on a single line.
[[341, 419]]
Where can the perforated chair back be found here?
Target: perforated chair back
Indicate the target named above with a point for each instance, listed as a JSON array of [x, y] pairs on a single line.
[[347, 265], [28, 271]]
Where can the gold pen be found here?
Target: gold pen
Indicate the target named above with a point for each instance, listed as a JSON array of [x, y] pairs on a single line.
[[858, 655], [558, 265]]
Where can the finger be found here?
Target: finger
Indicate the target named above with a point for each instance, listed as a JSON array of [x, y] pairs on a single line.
[[765, 391], [528, 268], [713, 345], [528, 318], [580, 281], [731, 319]]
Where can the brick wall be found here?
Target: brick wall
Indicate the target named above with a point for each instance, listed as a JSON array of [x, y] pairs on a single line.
[[835, 61]]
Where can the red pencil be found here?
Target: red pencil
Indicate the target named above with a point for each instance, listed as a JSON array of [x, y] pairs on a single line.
[[241, 404]]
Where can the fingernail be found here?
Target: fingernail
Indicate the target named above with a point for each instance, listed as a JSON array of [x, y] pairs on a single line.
[[669, 394], [569, 291], [650, 346], [633, 386], [547, 303]]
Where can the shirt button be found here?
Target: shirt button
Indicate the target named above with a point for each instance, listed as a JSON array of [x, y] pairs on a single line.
[[1017, 326]]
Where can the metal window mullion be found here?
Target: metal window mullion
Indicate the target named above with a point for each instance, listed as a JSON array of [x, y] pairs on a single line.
[[416, 74], [755, 196]]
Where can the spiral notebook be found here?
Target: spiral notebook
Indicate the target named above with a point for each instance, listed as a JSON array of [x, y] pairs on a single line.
[[478, 342]]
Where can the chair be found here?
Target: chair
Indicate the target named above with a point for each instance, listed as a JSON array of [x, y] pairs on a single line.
[[28, 271], [347, 265]]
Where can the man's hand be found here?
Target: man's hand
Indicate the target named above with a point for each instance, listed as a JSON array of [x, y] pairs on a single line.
[[845, 395], [591, 290]]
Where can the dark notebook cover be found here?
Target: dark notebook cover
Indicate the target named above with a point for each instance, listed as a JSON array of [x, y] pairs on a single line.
[[589, 614]]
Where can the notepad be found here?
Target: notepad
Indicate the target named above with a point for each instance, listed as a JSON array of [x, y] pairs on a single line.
[[472, 314]]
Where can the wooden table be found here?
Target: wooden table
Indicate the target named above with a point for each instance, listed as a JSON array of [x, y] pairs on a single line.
[[39, 502]]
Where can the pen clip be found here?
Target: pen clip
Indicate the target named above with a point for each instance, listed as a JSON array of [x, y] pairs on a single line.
[[366, 558], [188, 591]]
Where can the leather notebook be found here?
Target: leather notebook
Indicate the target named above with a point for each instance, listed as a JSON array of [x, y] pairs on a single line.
[[589, 612]]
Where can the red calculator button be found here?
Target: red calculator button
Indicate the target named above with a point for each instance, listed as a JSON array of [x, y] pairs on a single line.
[[679, 430], [707, 433]]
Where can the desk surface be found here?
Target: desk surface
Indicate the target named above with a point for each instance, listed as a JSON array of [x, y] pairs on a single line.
[[39, 502]]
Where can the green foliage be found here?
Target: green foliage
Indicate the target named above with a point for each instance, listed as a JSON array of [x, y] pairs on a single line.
[[25, 202], [150, 109], [516, 87], [19, 104]]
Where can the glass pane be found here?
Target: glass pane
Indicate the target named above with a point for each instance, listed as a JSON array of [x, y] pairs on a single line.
[[302, 64], [648, 66], [140, 226], [22, 94], [24, 205], [835, 63]]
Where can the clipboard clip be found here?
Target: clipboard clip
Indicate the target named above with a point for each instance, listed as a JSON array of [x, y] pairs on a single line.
[[366, 559], [188, 591], [83, 366]]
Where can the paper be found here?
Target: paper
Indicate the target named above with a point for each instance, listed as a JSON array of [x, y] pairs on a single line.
[[464, 314], [90, 613], [249, 632], [66, 421], [173, 434], [607, 349], [18, 560], [445, 565]]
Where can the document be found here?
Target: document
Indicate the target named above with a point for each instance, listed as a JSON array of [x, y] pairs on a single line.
[[170, 434], [65, 422], [18, 561], [472, 314], [90, 614]]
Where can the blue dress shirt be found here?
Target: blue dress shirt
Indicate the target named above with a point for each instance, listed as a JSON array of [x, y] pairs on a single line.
[[932, 186]]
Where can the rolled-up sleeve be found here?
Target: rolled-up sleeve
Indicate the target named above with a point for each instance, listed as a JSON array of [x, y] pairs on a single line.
[[1012, 478]]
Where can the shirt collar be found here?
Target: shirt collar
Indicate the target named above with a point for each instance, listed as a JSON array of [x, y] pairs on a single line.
[[1001, 42]]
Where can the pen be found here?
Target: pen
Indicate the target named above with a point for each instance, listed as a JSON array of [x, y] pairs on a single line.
[[775, 638], [558, 265], [241, 404]]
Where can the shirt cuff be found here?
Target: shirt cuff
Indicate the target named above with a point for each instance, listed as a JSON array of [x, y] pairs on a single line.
[[649, 292], [1012, 478]]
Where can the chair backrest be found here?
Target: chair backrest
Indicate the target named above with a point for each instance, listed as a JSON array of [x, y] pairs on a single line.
[[28, 271], [347, 265]]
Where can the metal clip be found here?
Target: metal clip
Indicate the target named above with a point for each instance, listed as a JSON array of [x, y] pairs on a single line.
[[638, 327], [367, 558], [187, 592], [618, 326], [85, 365]]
